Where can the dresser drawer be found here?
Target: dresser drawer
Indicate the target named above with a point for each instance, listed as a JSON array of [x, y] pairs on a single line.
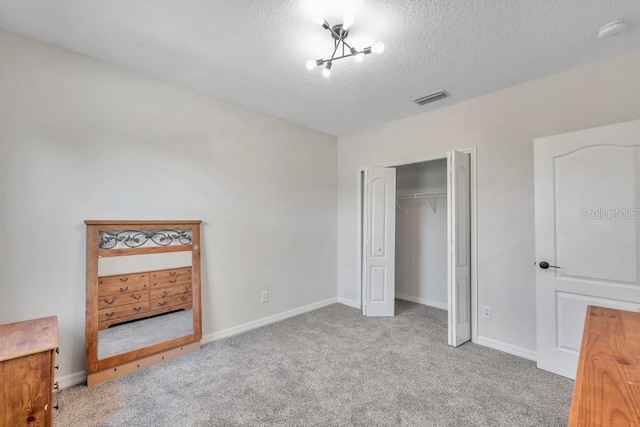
[[182, 299], [115, 300], [161, 303], [170, 291], [110, 285], [111, 313], [170, 301], [164, 278]]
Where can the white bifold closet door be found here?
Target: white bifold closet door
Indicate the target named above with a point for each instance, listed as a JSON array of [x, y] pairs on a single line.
[[459, 224], [379, 242]]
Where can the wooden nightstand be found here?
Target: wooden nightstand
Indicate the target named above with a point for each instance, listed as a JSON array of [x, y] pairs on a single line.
[[27, 372]]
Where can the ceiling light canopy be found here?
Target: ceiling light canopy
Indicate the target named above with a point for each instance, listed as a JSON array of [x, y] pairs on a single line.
[[341, 49], [612, 28]]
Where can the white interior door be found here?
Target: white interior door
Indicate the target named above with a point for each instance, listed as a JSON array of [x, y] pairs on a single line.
[[587, 234], [459, 294], [379, 242]]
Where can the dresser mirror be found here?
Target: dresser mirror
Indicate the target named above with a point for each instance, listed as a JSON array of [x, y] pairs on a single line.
[[132, 316], [143, 294]]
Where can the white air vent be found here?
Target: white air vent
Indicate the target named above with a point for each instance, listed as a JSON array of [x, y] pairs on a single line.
[[432, 97]]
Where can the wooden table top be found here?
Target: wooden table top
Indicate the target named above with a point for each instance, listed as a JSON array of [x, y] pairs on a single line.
[[28, 337], [607, 387]]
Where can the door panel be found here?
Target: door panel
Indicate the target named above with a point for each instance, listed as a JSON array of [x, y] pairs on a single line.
[[583, 180], [459, 249], [586, 205], [379, 192], [463, 302], [378, 284], [380, 219], [572, 306]]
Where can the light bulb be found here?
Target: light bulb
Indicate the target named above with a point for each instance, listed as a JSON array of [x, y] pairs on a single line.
[[327, 69], [347, 22], [359, 57], [377, 48], [311, 64]]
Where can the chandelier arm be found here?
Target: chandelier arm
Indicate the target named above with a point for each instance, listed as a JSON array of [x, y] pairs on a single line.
[[338, 36], [340, 57], [347, 45], [334, 51]]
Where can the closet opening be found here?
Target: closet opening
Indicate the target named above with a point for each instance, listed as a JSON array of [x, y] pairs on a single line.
[[421, 233], [416, 238]]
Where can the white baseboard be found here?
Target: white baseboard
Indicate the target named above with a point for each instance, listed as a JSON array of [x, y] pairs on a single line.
[[71, 379], [423, 301], [265, 321], [507, 348], [349, 302]]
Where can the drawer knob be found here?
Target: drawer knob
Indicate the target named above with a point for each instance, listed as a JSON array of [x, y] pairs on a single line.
[[165, 293], [57, 367], [56, 407], [162, 303], [124, 289], [56, 386], [109, 302], [172, 281], [110, 314], [137, 308], [136, 296], [124, 279], [172, 273]]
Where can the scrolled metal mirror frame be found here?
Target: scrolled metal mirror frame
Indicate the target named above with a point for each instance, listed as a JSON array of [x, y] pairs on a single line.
[[166, 236]]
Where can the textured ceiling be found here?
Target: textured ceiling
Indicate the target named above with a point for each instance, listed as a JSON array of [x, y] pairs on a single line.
[[253, 52]]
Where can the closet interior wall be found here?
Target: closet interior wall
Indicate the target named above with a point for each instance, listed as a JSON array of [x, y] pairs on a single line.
[[421, 233]]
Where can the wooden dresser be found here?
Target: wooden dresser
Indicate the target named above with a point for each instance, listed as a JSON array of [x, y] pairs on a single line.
[[607, 388], [170, 290], [27, 366], [127, 297]]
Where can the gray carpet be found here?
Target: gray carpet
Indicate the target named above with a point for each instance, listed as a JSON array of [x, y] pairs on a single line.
[[130, 336], [331, 367]]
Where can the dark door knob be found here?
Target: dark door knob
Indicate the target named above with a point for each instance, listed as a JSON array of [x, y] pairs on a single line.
[[544, 265]]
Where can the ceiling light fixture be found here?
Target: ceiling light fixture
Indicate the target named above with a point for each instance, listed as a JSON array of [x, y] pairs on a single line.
[[339, 33], [612, 28]]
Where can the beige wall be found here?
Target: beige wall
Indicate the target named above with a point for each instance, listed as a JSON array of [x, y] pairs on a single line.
[[502, 125], [80, 139]]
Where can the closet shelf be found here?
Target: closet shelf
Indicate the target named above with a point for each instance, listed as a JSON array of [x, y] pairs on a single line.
[[431, 197], [421, 195]]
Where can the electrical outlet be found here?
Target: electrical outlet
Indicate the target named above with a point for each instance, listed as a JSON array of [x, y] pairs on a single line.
[[264, 297], [486, 312]]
